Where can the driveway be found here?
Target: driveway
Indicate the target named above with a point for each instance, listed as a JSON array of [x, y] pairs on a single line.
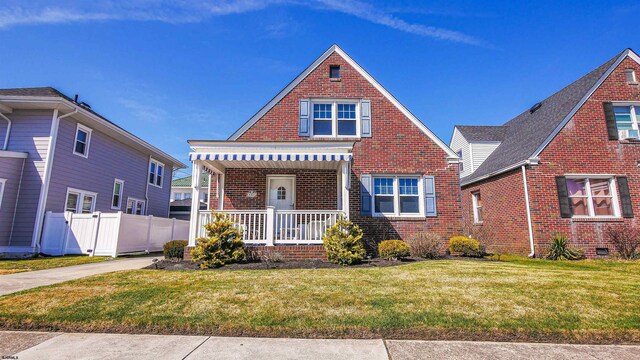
[[27, 280], [38, 345]]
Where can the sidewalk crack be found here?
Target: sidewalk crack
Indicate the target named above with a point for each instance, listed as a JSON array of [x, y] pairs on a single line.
[[384, 342], [196, 348]]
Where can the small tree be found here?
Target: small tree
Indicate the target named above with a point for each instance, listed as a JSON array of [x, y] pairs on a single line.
[[343, 243], [625, 240], [223, 244]]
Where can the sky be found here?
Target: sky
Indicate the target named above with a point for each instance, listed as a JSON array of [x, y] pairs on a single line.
[[169, 71]]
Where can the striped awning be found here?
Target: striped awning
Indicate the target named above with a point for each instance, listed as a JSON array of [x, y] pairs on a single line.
[[270, 157]]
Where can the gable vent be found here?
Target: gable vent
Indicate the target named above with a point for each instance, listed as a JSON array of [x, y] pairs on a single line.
[[535, 107]]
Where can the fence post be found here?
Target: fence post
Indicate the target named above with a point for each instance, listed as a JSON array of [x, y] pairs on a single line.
[[271, 218], [149, 232], [68, 216], [115, 247], [94, 235]]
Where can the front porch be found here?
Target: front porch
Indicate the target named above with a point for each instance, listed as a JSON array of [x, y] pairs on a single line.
[[277, 193]]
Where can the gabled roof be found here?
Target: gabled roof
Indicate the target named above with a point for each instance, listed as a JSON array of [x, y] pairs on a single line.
[[482, 133], [186, 181], [529, 133], [335, 48]]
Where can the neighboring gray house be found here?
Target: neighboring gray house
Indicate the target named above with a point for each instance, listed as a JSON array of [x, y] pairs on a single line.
[[58, 155], [180, 207], [474, 144]]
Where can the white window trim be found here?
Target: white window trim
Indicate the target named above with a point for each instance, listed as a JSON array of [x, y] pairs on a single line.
[[113, 193], [634, 112], [613, 189], [474, 199], [81, 195], [3, 184], [334, 118], [75, 140], [155, 176], [396, 196], [136, 200]]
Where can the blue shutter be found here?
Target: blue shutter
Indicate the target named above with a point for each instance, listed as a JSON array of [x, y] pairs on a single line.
[[430, 196], [365, 194], [365, 118], [304, 118]]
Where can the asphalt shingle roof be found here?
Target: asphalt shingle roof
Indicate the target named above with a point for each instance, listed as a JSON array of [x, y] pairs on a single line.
[[482, 133], [527, 131]]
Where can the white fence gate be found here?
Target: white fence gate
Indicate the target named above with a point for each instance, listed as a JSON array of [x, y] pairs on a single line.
[[108, 234]]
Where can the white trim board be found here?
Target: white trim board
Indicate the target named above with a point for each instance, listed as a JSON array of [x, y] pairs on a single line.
[[335, 48]]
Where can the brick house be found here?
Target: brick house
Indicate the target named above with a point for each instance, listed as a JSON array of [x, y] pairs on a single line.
[[333, 142], [568, 165]]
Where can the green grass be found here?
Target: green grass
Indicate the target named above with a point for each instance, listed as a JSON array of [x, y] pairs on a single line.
[[10, 266], [513, 300]]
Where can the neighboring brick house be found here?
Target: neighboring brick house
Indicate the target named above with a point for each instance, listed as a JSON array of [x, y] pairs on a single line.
[[569, 165], [333, 142], [59, 155]]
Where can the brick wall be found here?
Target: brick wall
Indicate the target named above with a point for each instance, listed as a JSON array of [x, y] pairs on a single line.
[[288, 252], [581, 147]]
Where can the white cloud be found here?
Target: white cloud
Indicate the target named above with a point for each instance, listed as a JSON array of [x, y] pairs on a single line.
[[34, 12]]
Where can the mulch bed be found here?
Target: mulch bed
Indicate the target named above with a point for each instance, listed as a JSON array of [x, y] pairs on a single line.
[[287, 264]]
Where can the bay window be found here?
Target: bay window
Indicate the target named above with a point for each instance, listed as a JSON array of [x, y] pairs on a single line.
[[398, 196]]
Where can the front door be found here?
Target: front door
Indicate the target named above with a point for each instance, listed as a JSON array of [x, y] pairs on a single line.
[[282, 192]]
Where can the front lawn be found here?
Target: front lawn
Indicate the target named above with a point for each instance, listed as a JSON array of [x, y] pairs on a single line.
[[10, 266], [514, 300]]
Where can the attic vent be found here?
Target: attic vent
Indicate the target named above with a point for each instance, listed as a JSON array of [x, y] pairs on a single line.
[[535, 107]]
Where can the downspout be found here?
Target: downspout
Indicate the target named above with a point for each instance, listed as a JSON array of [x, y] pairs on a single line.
[[526, 199], [6, 137]]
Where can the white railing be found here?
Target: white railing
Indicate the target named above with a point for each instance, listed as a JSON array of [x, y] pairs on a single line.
[[271, 227]]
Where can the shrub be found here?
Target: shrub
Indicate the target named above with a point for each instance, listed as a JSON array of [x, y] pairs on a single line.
[[394, 249], [343, 243], [426, 245], [223, 244], [465, 246], [174, 249], [625, 240], [559, 249]]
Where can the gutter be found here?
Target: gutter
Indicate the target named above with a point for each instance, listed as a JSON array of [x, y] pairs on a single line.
[[526, 199], [5, 145], [530, 161]]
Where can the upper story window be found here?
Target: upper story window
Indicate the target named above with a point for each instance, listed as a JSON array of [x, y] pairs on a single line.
[[476, 198], [592, 197], [83, 138], [334, 72], [156, 173], [118, 188], [335, 118], [461, 162], [397, 196], [627, 121], [3, 183], [630, 75], [80, 201]]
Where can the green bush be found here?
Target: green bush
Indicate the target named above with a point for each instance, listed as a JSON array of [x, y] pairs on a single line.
[[343, 243], [394, 249], [559, 249], [223, 244], [465, 246], [425, 244], [174, 249]]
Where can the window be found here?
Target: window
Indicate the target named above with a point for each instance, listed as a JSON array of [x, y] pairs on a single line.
[[592, 197], [118, 188], [336, 118], [630, 75], [627, 121], [397, 196], [477, 207], [83, 137], [334, 71], [177, 196], [80, 201], [461, 162], [156, 173], [135, 206], [281, 193], [3, 182]]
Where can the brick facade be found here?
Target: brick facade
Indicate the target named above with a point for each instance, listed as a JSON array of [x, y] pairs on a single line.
[[581, 147], [288, 252]]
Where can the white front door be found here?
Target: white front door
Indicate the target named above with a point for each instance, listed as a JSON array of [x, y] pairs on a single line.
[[281, 192]]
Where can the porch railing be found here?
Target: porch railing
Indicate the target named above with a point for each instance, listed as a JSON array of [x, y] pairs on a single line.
[[273, 227]]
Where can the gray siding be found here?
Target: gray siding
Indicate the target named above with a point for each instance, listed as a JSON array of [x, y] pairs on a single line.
[[458, 142], [481, 151], [11, 170], [3, 131], [29, 133], [108, 159]]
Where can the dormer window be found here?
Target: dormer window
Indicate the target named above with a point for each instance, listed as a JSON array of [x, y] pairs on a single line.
[[334, 72], [630, 75]]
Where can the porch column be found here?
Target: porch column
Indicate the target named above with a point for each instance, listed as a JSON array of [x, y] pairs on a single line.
[[194, 222], [345, 171]]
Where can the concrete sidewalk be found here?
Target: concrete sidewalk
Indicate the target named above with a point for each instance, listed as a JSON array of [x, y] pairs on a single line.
[[26, 280], [37, 345]]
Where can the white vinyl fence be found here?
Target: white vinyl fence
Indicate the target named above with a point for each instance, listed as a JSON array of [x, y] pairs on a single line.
[[108, 234]]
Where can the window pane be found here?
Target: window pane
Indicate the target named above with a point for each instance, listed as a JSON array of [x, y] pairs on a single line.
[[80, 147], [116, 200], [579, 206], [160, 169], [87, 203], [602, 206], [479, 214], [576, 187], [322, 127], [384, 204], [347, 111], [334, 71], [130, 205], [82, 136], [599, 187], [139, 208], [408, 186], [409, 204], [159, 180], [383, 186], [623, 117], [346, 127], [72, 202], [322, 111]]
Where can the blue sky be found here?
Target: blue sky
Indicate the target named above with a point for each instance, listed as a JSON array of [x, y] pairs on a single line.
[[197, 69]]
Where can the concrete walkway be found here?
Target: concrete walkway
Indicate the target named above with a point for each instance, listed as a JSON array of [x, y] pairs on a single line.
[[30, 279], [37, 345]]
